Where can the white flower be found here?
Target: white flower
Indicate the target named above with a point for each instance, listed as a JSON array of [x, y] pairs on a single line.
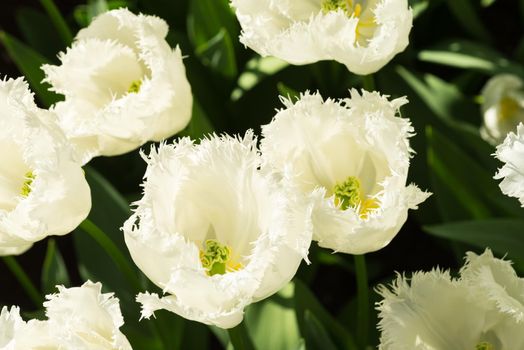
[[80, 318], [43, 190], [511, 152], [10, 323], [123, 85], [214, 232], [355, 152], [362, 34], [435, 311], [496, 282], [502, 107]]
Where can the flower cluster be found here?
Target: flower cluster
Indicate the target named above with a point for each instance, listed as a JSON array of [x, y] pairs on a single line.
[[237, 223], [483, 309], [80, 318], [43, 190], [120, 63]]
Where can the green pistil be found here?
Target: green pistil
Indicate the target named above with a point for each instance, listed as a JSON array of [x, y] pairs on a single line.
[[334, 5], [135, 86], [347, 193], [26, 186], [484, 346], [214, 257]]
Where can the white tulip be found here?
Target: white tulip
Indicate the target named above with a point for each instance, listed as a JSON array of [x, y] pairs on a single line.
[[511, 152], [480, 310], [43, 190], [356, 152], [362, 34], [214, 232], [502, 107], [123, 85], [80, 318], [10, 323], [496, 282]]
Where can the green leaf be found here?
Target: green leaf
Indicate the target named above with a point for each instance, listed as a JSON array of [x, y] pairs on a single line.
[[469, 55], [464, 188], [219, 55], [240, 338], [207, 18], [58, 21], [445, 100], [29, 62], [503, 236], [316, 336], [38, 32], [487, 3], [305, 301], [467, 16], [54, 271], [418, 7], [272, 323], [109, 211], [84, 14], [199, 126], [287, 92], [256, 70]]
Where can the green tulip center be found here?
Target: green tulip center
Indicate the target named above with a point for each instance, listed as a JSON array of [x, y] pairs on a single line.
[[135, 86], [26, 186], [216, 258]]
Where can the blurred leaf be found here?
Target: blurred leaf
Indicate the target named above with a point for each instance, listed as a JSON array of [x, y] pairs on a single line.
[[199, 125], [54, 271], [487, 3], [503, 236], [468, 18], [219, 55], [287, 92], [469, 55], [418, 7], [58, 21], [240, 338], [305, 301], [207, 18], [316, 335], [38, 32], [444, 99], [256, 70], [464, 188], [272, 323], [109, 211], [29, 62], [85, 13]]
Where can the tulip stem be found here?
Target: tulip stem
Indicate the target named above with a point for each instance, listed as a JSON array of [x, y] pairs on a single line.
[[112, 250], [368, 82], [239, 337], [362, 300], [24, 280]]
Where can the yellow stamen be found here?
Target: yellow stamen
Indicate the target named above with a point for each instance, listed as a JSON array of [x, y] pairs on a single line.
[[357, 10], [26, 186]]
